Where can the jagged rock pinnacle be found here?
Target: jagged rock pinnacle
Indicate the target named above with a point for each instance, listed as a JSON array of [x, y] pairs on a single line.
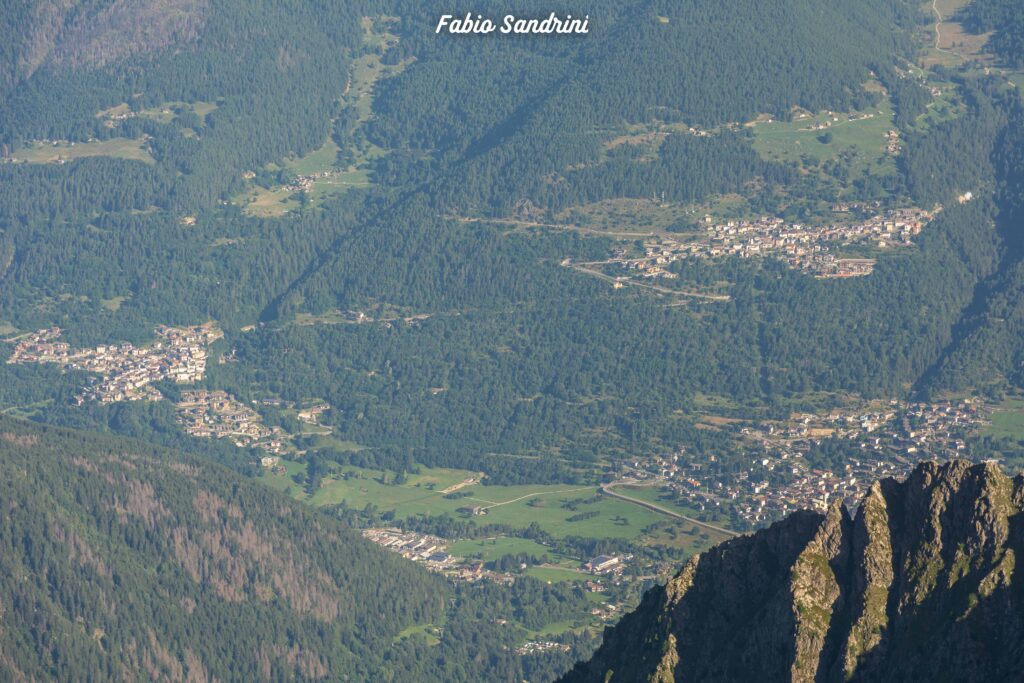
[[918, 585]]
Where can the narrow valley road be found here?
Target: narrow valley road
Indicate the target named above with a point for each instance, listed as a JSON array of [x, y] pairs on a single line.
[[607, 490]]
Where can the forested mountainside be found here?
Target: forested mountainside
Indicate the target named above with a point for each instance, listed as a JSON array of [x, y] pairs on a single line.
[[273, 70], [1005, 20], [535, 301], [780, 334], [433, 144], [522, 122], [91, 33], [122, 561], [918, 585], [508, 141], [989, 340]]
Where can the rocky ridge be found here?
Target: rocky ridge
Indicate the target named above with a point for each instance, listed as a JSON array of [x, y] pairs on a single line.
[[917, 584]]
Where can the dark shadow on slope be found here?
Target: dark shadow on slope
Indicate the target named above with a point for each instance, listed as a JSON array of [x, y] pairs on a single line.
[[751, 589], [1009, 165], [956, 633]]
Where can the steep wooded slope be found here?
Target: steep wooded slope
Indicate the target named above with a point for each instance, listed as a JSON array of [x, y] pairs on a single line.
[[120, 562]]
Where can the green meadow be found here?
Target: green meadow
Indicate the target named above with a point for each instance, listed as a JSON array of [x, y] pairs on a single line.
[[165, 112], [594, 516], [557, 574], [49, 153], [862, 138], [337, 178], [488, 549], [278, 200], [1008, 420], [691, 537], [429, 632]]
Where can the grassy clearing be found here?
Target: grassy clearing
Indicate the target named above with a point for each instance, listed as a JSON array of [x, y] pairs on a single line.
[[722, 208], [326, 176], [1017, 79], [327, 182], [329, 318], [51, 152], [368, 69], [202, 109], [7, 328], [115, 111], [268, 203], [376, 34], [626, 217], [319, 166], [26, 412], [317, 161], [956, 38], [944, 107], [1008, 420], [165, 112], [427, 631], [49, 304], [556, 628], [283, 481], [862, 138], [278, 200], [557, 574], [614, 518], [948, 43], [489, 549], [365, 73], [440, 478], [653, 494], [114, 303], [422, 494], [714, 402], [340, 444]]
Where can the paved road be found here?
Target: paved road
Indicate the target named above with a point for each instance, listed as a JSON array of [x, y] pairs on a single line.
[[555, 226], [656, 288], [607, 490], [529, 495]]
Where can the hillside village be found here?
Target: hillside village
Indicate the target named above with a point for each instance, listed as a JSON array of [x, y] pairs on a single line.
[[126, 371], [778, 480], [218, 414], [808, 248]]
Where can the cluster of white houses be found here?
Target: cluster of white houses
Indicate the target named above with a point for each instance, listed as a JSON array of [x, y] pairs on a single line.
[[892, 142], [218, 414], [431, 552], [179, 354], [126, 371], [536, 647], [779, 478], [805, 247]]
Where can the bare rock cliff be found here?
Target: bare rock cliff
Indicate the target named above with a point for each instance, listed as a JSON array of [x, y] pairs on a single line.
[[918, 586]]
